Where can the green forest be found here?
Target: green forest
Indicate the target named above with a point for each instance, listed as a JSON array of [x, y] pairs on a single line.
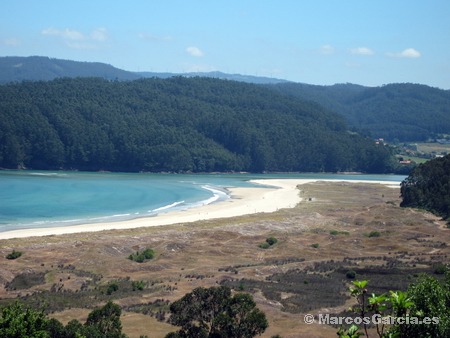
[[428, 187], [175, 125], [402, 112]]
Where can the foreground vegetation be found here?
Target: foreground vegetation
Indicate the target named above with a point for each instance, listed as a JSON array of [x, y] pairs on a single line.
[[176, 124], [212, 312]]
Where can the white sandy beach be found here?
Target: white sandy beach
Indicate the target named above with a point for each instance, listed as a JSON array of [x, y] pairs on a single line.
[[243, 201]]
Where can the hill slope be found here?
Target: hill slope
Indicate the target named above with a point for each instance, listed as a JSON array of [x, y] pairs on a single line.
[[406, 112], [36, 68], [175, 124]]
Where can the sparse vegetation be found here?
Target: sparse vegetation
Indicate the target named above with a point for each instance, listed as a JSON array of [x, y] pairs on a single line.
[[315, 245]]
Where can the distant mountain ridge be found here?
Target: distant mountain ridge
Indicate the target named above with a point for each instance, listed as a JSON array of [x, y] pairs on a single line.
[[40, 68]]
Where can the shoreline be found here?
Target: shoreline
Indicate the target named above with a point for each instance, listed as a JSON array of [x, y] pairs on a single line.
[[274, 194]]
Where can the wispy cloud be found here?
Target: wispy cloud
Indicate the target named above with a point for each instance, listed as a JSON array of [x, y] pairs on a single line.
[[407, 53], [362, 51], [152, 37], [194, 51], [99, 34], [14, 42], [75, 39], [67, 33], [327, 50]]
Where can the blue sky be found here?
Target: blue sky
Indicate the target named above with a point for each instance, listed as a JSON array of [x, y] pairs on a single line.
[[368, 42]]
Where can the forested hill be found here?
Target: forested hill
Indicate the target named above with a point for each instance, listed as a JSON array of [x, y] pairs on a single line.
[[176, 124], [428, 187], [403, 112]]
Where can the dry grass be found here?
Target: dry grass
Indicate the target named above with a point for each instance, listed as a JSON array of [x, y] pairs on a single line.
[[210, 252]]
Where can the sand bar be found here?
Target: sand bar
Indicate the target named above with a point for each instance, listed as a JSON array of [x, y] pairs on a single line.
[[282, 193]]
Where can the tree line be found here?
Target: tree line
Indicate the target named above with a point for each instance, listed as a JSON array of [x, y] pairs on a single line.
[[175, 125], [428, 187]]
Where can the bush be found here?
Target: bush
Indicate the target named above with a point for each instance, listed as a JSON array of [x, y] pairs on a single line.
[[268, 243], [440, 269], [374, 234], [315, 245], [142, 256], [271, 240], [351, 274], [264, 245], [112, 287], [14, 254], [336, 232], [138, 285]]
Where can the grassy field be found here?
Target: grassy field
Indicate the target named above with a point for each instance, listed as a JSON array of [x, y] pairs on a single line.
[[319, 241]]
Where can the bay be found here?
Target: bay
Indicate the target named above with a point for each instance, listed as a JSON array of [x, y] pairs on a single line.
[[34, 199]]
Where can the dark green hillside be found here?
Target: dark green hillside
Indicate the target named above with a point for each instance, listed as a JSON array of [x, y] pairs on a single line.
[[403, 112], [428, 187], [176, 124]]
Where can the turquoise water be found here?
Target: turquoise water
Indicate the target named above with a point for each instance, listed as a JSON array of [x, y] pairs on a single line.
[[31, 199]]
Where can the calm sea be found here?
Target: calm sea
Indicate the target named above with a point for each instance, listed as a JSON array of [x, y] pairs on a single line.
[[32, 199]]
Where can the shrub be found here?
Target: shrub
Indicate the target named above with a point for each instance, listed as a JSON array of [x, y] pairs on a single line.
[[268, 243], [271, 240], [315, 245], [142, 256], [138, 285], [336, 232], [374, 234], [112, 287], [351, 274], [14, 254], [440, 269], [264, 245]]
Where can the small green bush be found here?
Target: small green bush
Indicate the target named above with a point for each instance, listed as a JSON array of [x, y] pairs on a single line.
[[268, 243], [336, 232], [112, 287], [271, 240], [315, 245], [264, 245], [142, 256], [14, 254], [138, 285], [374, 234]]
